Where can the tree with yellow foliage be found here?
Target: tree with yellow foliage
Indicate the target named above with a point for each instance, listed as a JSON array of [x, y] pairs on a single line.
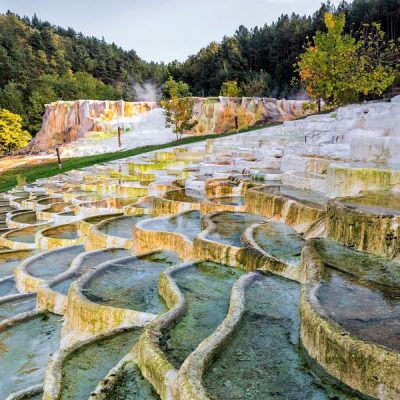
[[12, 136], [338, 68], [230, 89]]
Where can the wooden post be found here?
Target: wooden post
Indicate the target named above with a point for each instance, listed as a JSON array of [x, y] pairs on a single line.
[[319, 105], [58, 157], [236, 123], [119, 137]]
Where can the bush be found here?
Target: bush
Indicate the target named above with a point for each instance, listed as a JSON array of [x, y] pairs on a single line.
[[12, 136]]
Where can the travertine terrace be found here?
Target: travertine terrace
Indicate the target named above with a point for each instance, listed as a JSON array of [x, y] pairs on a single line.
[[261, 265]]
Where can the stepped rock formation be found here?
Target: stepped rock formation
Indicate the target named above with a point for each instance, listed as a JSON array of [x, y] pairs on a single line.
[[67, 121], [217, 114], [166, 267]]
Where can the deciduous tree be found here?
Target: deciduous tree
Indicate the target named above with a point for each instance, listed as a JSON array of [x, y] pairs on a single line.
[[338, 68], [230, 89], [12, 136], [178, 107]]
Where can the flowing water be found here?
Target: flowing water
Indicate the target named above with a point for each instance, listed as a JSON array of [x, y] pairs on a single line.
[[131, 385]]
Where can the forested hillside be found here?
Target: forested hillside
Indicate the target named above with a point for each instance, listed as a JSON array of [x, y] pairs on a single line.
[[40, 62], [261, 59]]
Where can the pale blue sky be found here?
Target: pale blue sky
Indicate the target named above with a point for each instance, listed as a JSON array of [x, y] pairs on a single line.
[[159, 30]]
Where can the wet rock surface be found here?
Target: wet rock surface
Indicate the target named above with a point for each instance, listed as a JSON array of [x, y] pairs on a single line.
[[108, 264], [264, 358], [206, 287]]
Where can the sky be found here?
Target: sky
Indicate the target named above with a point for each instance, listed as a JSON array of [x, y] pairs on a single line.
[[159, 30]]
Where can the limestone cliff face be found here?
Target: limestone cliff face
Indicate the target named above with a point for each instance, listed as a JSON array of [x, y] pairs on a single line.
[[66, 121], [217, 114]]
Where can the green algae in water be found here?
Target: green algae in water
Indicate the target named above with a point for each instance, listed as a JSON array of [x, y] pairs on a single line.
[[280, 241], [131, 283], [381, 203], [25, 349], [86, 366], [368, 311], [53, 262], [131, 385], [207, 290], [12, 308], [37, 396], [230, 227], [263, 359], [365, 266], [121, 226], [187, 224]]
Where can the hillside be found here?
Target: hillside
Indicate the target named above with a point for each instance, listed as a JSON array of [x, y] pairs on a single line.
[[42, 63]]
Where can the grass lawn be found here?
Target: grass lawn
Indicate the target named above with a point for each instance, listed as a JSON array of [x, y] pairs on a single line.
[[32, 172]]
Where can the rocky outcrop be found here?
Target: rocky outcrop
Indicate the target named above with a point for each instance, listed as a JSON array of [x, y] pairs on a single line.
[[66, 121], [217, 114]]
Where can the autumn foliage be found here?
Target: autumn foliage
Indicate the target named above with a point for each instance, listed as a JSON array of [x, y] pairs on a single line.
[[339, 68], [12, 136]]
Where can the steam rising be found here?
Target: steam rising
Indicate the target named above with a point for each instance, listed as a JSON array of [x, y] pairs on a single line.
[[146, 91]]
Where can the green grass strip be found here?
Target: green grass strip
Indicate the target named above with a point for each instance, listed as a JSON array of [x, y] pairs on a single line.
[[32, 172]]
